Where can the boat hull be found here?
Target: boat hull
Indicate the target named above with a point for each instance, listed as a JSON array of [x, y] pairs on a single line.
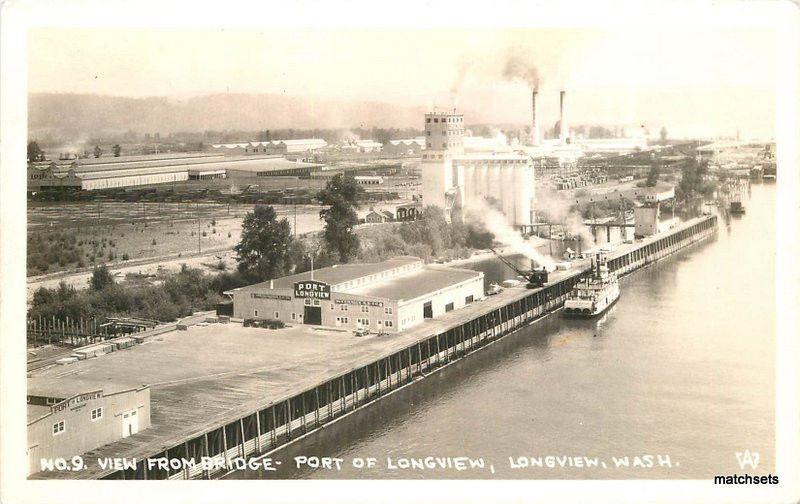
[[586, 312]]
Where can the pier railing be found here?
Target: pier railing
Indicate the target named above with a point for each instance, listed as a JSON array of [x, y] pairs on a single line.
[[274, 425]]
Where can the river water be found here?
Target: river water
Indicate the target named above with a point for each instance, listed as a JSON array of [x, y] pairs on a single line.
[[681, 368]]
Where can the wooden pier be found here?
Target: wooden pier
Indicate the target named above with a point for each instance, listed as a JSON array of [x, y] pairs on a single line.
[[249, 414]]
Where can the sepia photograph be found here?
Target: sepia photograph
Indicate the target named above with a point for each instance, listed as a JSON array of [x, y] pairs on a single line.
[[257, 245]]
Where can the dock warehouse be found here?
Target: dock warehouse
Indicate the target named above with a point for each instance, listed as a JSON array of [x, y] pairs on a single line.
[[71, 417], [388, 296]]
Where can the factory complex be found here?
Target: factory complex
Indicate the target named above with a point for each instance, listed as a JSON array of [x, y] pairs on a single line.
[[388, 296]]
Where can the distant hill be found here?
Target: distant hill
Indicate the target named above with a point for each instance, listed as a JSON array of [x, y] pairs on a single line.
[[76, 116]]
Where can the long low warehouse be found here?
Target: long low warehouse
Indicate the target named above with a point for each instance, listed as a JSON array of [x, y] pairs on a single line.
[[133, 171], [389, 296]]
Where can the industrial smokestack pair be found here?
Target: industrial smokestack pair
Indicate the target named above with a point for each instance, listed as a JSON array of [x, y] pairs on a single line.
[[564, 129]]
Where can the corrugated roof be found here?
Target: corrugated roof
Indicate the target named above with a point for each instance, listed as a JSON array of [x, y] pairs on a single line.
[[419, 283], [178, 162], [335, 275], [71, 385], [259, 165]]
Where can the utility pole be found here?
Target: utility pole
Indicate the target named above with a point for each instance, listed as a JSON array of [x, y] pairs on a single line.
[[198, 227]]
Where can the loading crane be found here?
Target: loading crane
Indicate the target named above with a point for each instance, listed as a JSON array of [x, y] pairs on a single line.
[[534, 277]]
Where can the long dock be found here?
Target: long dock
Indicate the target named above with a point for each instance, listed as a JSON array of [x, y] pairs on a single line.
[[240, 414]]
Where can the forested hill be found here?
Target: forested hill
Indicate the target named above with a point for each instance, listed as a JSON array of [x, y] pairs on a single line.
[[78, 116]]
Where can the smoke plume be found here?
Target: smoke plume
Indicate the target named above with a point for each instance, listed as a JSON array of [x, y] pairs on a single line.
[[519, 67], [514, 65], [559, 210], [495, 222], [462, 70]]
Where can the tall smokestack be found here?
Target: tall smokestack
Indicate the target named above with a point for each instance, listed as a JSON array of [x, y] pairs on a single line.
[[564, 133], [534, 119]]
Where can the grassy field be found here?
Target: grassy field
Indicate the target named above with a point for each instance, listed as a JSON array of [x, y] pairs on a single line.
[[71, 236]]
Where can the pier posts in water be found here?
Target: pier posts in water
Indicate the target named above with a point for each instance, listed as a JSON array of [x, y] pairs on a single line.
[[394, 371]]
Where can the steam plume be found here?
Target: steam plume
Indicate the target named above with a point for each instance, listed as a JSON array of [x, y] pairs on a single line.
[[495, 221], [560, 211]]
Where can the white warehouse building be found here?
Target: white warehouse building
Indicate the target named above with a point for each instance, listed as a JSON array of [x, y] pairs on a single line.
[[388, 296], [454, 179]]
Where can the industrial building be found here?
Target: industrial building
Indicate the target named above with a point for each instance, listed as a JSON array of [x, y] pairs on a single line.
[[269, 147], [388, 296], [454, 179], [69, 417], [361, 146], [133, 171], [270, 167], [405, 146]]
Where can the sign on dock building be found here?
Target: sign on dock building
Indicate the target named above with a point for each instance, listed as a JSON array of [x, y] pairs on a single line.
[[388, 296]]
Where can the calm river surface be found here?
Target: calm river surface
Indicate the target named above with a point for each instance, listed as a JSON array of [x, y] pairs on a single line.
[[682, 366]]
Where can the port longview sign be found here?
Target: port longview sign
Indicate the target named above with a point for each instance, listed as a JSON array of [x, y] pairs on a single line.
[[312, 289]]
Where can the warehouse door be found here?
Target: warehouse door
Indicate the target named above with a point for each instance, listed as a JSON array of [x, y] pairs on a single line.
[[130, 423], [427, 310], [312, 315]]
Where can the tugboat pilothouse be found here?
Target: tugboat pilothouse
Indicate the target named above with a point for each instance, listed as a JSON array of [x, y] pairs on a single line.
[[593, 294]]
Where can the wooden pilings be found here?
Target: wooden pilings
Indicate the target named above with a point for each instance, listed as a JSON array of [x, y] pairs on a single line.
[[273, 426]]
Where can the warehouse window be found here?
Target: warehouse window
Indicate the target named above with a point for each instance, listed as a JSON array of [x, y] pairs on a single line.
[[345, 320], [277, 315], [97, 414], [448, 307], [436, 120], [365, 309], [58, 428], [469, 299], [294, 316], [388, 323], [307, 302], [344, 307], [316, 302], [255, 313], [388, 311]]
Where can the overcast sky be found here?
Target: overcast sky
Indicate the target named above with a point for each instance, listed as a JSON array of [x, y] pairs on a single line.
[[709, 82]]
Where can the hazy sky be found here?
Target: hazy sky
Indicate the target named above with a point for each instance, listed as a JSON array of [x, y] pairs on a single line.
[[709, 82]]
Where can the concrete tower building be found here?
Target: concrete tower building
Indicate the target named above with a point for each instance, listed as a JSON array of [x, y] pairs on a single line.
[[453, 178], [444, 137]]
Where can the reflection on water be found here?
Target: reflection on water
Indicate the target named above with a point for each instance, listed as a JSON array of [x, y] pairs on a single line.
[[681, 366]]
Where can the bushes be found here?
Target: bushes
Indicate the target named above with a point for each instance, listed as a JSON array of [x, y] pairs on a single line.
[[179, 295], [428, 238]]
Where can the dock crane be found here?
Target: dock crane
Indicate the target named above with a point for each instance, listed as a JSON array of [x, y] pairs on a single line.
[[534, 277]]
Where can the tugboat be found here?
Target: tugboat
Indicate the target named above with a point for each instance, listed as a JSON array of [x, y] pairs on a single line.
[[593, 294]]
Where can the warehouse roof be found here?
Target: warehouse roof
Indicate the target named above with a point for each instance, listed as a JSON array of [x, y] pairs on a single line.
[[408, 141], [36, 411], [69, 386], [177, 162], [263, 164], [418, 283], [335, 275]]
